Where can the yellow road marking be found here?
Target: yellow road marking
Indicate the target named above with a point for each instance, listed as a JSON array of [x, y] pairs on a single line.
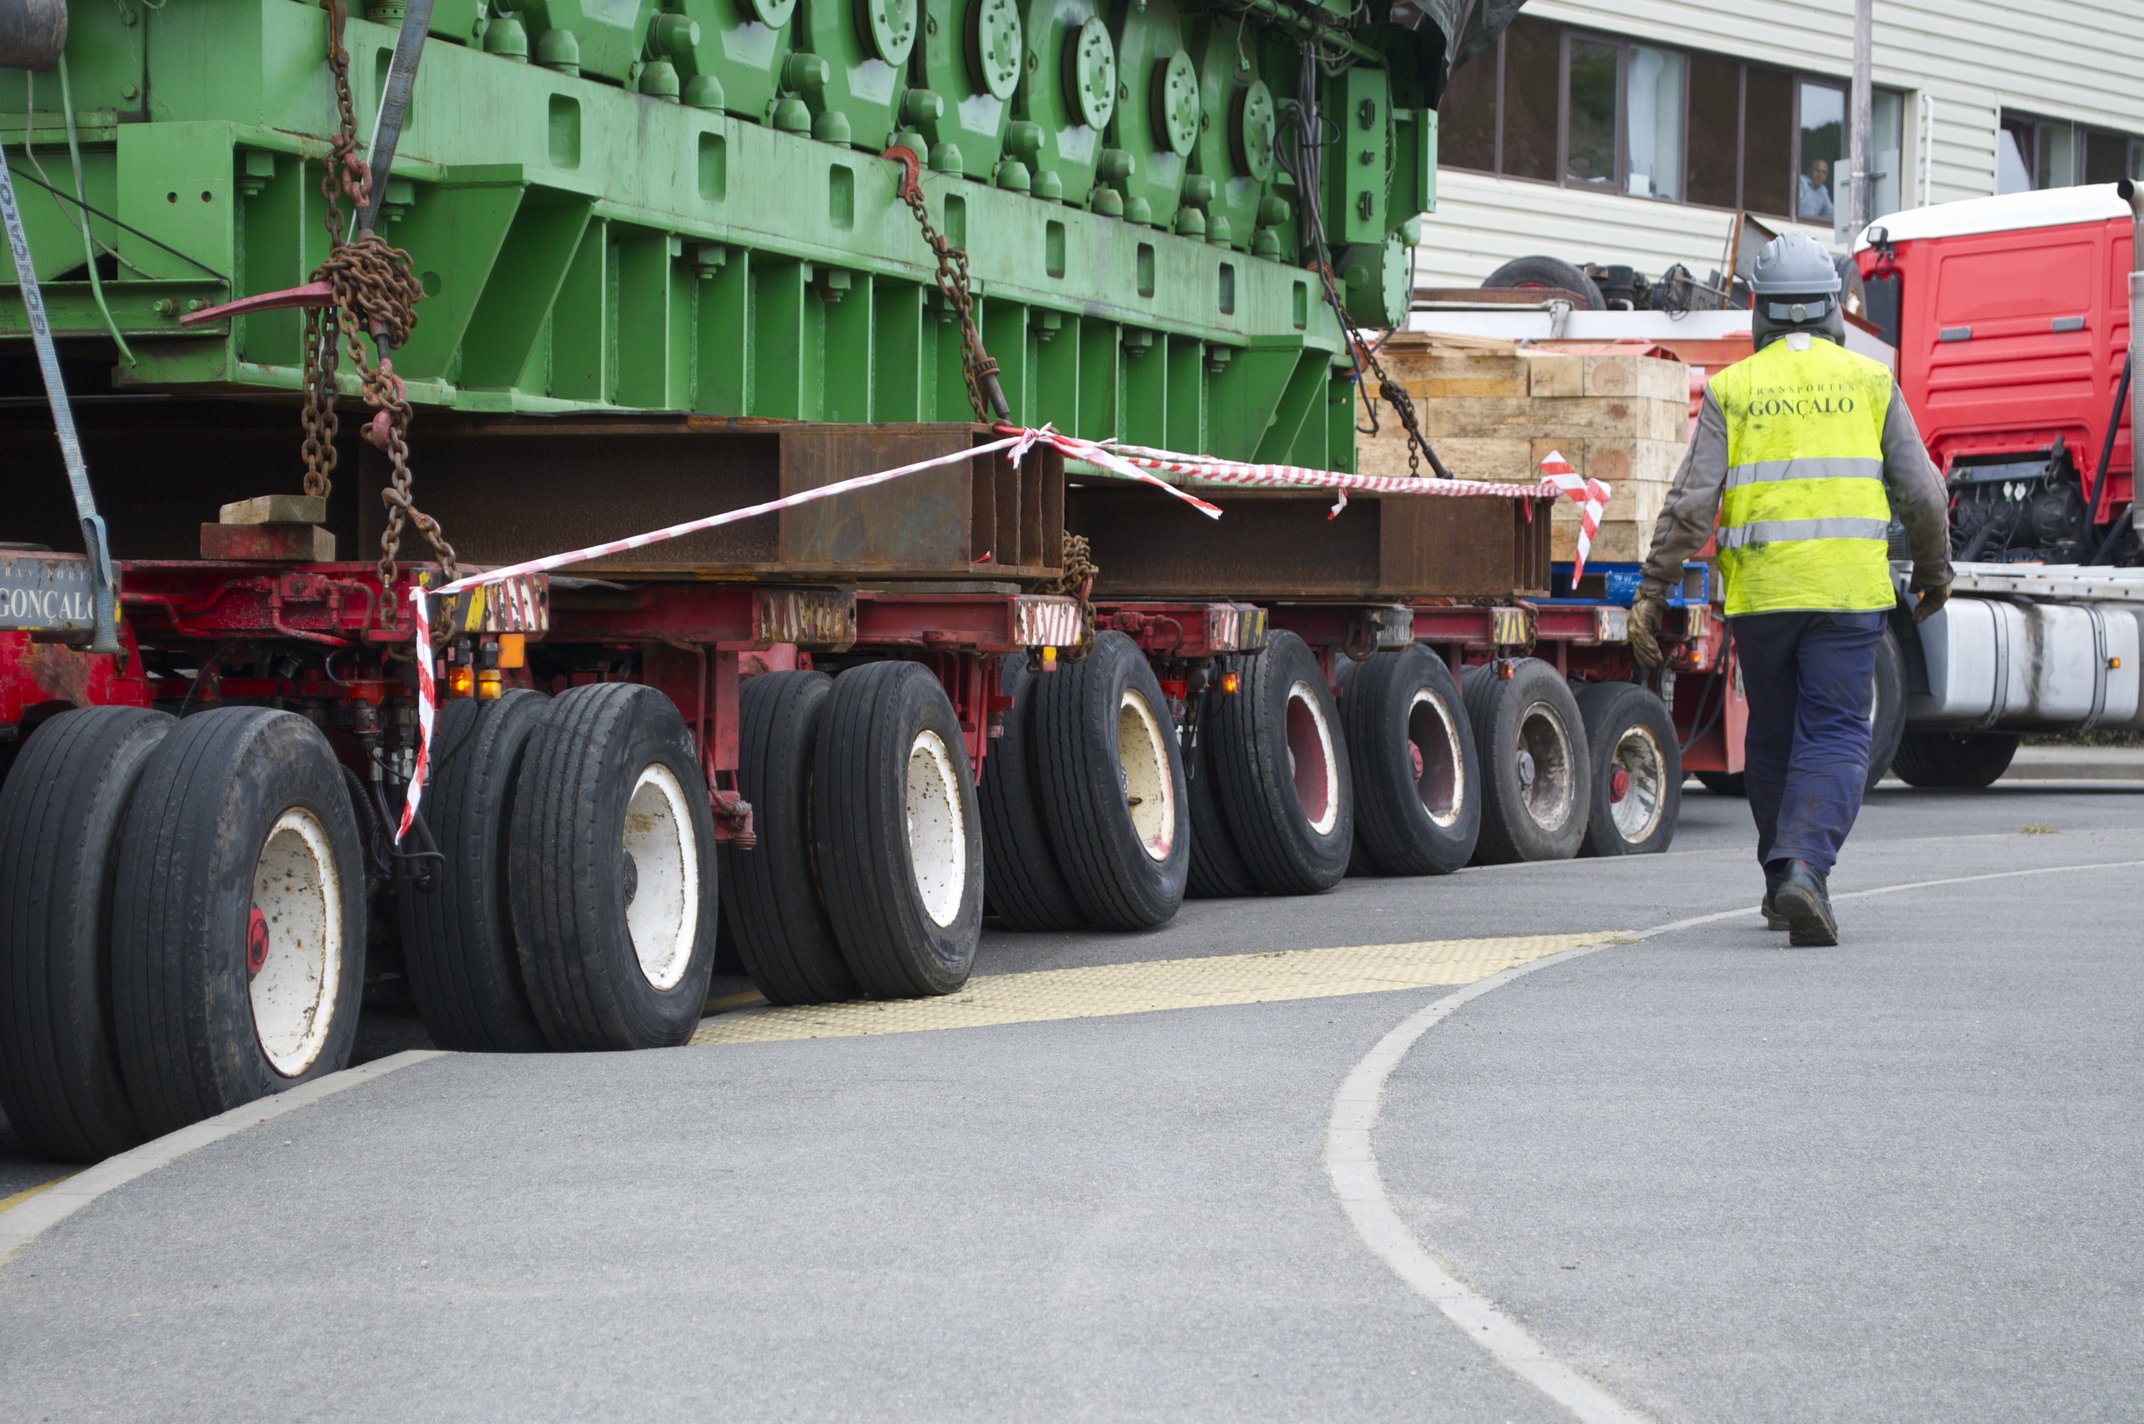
[[20, 1197], [1152, 986]]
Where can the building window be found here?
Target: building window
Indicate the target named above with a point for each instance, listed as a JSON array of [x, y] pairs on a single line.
[[2056, 153], [1595, 111]]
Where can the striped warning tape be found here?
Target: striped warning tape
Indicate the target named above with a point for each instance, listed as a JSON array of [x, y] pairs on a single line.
[[1135, 462]]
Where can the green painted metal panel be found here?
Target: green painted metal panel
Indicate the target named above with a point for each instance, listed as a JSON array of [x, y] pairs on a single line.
[[678, 204]]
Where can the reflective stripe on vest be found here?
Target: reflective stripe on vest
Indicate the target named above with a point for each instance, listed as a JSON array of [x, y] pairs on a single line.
[[1804, 516]]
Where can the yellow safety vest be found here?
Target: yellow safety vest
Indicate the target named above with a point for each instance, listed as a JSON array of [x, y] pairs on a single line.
[[1804, 519]]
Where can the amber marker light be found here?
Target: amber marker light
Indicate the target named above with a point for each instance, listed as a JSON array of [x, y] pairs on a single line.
[[1231, 682]]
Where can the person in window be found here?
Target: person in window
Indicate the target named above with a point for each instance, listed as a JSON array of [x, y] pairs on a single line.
[[1814, 203]]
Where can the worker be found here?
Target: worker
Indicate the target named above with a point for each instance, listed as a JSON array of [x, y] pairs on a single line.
[[1804, 454]]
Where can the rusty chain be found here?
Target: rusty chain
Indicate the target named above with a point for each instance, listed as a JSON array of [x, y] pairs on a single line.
[[985, 396], [375, 298], [1077, 580]]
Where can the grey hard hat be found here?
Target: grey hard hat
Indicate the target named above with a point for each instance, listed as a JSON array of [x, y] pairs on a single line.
[[1796, 285]]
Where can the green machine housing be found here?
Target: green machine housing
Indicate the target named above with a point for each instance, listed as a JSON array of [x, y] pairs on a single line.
[[681, 205]]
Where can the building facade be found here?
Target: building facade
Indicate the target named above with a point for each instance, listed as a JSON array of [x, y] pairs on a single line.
[[1631, 132]]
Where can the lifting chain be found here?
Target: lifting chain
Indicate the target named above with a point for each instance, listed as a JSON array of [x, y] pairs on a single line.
[[1077, 580], [376, 294], [985, 395]]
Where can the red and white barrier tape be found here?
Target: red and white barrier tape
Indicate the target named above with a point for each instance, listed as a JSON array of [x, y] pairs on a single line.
[[1133, 462]]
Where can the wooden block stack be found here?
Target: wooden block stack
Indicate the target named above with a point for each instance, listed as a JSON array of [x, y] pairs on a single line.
[[1493, 410]]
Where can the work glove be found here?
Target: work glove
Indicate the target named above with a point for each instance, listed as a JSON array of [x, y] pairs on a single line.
[[1933, 588], [1644, 631]]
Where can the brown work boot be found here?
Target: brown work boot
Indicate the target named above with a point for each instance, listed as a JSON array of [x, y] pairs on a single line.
[[1804, 898]]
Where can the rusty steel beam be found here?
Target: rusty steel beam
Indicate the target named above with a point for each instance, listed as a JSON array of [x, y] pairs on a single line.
[[1271, 545]]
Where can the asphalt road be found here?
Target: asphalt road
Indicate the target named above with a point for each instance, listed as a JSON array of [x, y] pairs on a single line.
[[1718, 1178]]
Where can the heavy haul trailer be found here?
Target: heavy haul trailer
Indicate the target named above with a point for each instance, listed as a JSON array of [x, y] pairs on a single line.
[[643, 246]]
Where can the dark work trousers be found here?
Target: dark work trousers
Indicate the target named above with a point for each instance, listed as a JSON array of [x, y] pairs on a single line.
[[1811, 680]]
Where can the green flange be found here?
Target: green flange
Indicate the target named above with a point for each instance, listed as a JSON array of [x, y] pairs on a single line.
[[1091, 76], [1254, 130], [994, 36], [1176, 103], [893, 28]]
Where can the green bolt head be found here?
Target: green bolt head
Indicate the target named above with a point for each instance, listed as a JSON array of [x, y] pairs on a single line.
[[892, 24], [1176, 103], [1254, 132], [994, 48], [1092, 77]]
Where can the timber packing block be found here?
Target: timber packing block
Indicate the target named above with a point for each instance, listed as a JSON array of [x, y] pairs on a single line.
[[1493, 409]]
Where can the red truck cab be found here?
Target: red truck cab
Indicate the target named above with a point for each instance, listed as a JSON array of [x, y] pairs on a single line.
[[2011, 319]]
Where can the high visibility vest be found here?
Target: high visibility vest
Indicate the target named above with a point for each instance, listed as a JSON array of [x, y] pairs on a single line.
[[1804, 518]]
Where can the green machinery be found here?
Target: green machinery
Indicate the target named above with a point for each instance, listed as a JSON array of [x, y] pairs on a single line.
[[681, 205]]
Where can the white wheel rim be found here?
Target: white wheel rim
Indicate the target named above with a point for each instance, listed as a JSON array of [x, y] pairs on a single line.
[[1143, 776], [937, 829], [1642, 770], [1311, 760], [1544, 756], [294, 945], [661, 865], [1439, 764]]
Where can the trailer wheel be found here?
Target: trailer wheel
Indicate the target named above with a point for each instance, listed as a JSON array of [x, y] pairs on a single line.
[[1417, 773], [1534, 763], [1112, 780], [1887, 713], [899, 838], [1964, 761], [1285, 786], [1637, 770], [611, 870], [60, 817], [1026, 887], [773, 904], [238, 946], [1217, 871], [458, 936]]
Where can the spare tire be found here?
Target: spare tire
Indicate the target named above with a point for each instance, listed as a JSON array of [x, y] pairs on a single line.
[[1536, 770], [1550, 274]]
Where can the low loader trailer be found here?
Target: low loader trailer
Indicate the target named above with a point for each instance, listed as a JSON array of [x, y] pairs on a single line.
[[702, 531]]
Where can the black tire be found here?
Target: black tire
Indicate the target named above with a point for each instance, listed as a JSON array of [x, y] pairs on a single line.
[[1217, 871], [774, 906], [1103, 739], [1962, 761], [1548, 272], [1887, 714], [1637, 770], [1722, 783], [1535, 768], [60, 818], [1027, 887], [1285, 787], [612, 768], [458, 936], [1417, 772], [239, 863], [881, 717]]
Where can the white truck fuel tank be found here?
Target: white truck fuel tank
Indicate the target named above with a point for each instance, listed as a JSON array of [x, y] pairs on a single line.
[[2034, 647]]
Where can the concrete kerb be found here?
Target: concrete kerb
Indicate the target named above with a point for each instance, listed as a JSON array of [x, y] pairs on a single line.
[[2118, 764], [24, 1222]]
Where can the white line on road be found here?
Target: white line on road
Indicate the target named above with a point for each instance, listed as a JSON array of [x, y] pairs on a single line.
[[1351, 1165], [22, 1223]]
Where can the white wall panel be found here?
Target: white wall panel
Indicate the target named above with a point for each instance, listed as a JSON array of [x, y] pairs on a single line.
[[2065, 59]]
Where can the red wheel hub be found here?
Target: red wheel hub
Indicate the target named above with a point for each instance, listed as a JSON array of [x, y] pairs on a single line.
[[1618, 784], [256, 942]]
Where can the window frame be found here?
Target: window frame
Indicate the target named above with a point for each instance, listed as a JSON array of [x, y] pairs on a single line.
[[1619, 186], [2081, 133]]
